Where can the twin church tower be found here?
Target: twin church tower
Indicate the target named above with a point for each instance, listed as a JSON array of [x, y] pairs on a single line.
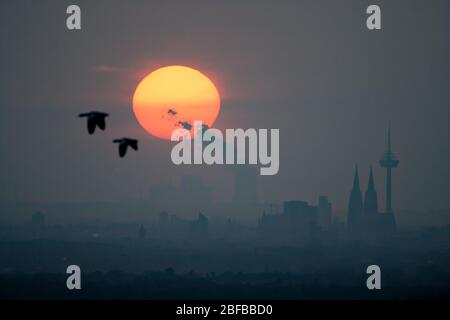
[[364, 217]]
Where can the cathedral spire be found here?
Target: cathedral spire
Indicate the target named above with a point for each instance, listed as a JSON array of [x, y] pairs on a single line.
[[371, 184], [356, 180], [370, 197], [355, 205]]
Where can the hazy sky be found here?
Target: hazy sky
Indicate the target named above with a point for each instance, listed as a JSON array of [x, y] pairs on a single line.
[[309, 68]]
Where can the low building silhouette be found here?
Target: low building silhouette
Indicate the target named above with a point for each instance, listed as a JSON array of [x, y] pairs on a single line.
[[325, 213], [200, 226], [142, 233], [298, 220]]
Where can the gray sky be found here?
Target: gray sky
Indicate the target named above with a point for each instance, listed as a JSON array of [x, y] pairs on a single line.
[[309, 68]]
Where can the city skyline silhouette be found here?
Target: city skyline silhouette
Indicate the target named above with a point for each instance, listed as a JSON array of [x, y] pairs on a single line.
[[361, 120]]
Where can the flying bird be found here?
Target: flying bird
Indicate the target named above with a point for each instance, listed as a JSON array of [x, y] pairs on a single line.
[[124, 143], [202, 130], [205, 127], [94, 119], [172, 112], [186, 125]]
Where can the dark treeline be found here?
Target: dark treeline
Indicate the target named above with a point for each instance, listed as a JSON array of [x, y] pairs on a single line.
[[169, 285]]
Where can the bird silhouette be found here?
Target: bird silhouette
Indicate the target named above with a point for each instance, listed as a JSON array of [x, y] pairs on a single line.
[[172, 112], [186, 125], [94, 119], [124, 143], [204, 128]]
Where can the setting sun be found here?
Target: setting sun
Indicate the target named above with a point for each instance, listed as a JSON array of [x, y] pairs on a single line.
[[174, 97]]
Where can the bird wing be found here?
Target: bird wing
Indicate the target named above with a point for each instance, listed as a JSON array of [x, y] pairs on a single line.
[[101, 123], [186, 125], [134, 144], [122, 149], [91, 125]]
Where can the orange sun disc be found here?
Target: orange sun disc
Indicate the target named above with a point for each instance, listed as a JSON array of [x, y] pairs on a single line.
[[174, 97]]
